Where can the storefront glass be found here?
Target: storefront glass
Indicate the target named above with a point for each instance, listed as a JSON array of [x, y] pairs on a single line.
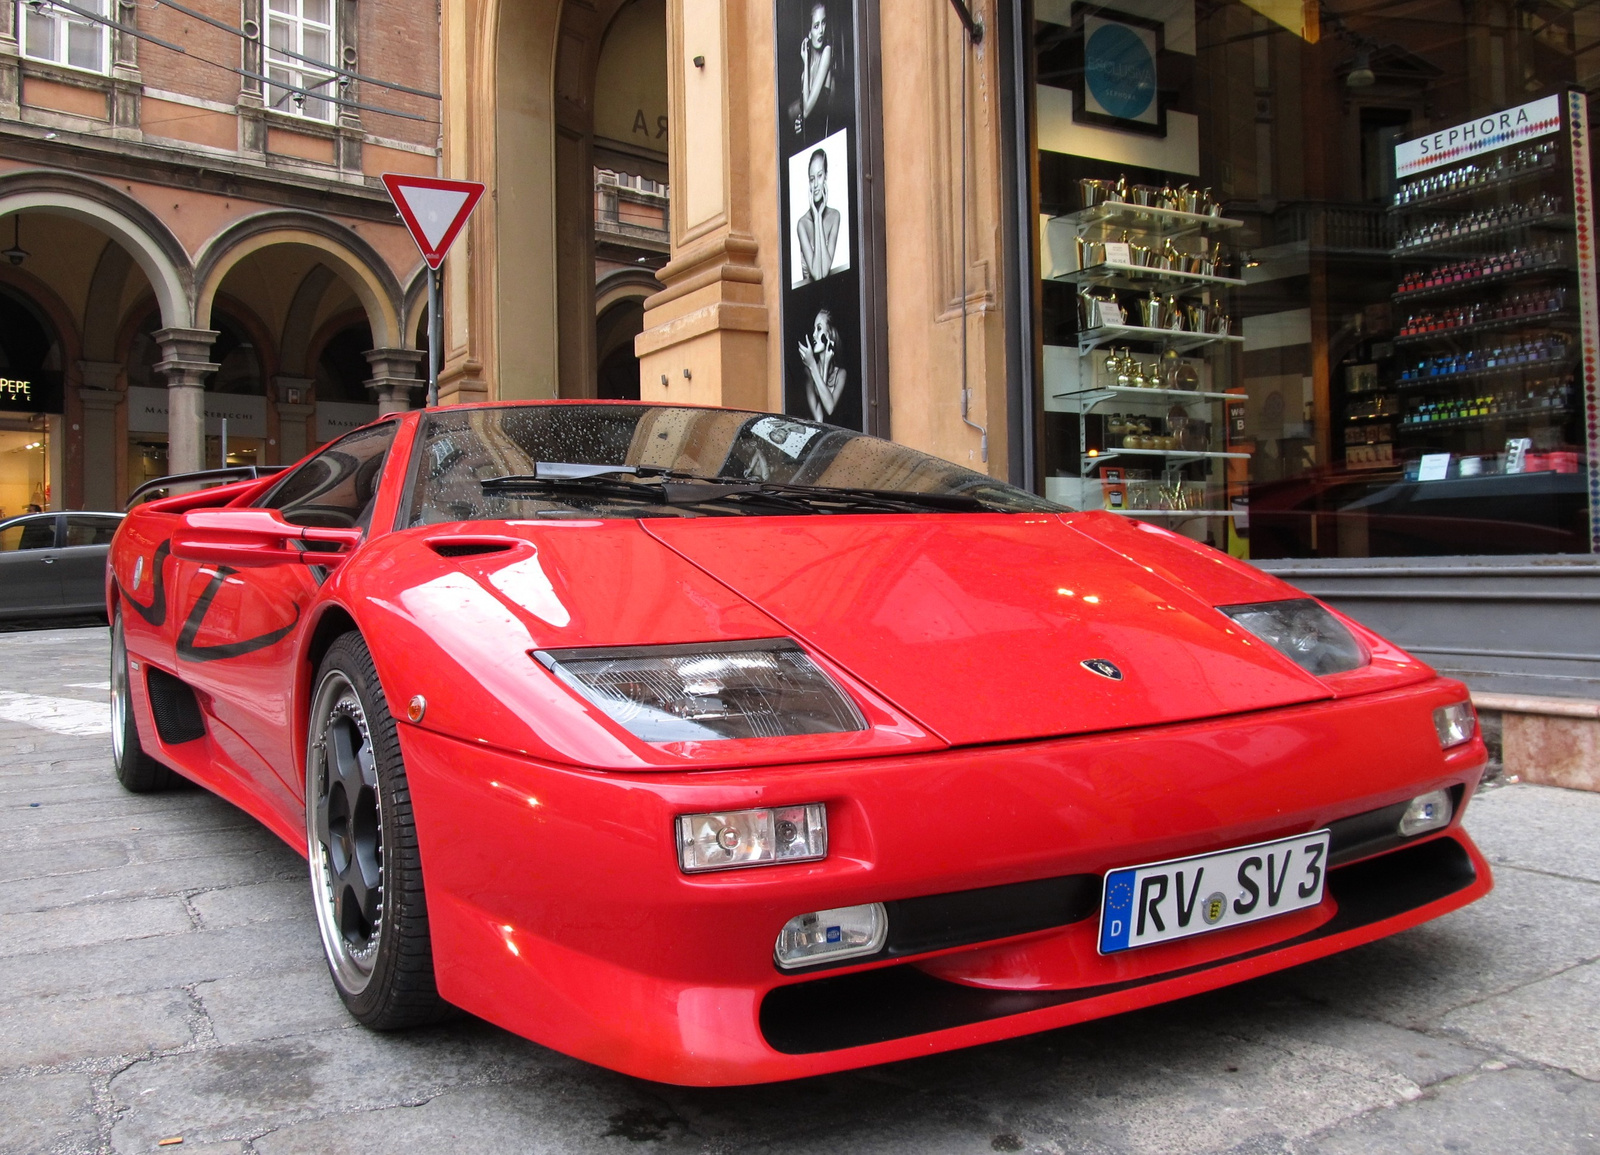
[[1318, 282]]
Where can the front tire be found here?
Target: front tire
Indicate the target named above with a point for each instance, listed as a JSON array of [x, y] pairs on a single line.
[[137, 771], [366, 871]]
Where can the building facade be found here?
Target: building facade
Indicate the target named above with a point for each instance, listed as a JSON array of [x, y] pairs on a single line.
[[1312, 282], [203, 267]]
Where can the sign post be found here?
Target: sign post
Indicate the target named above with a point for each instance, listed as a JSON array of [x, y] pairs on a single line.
[[434, 210]]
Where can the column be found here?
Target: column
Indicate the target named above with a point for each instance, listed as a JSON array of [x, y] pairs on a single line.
[[127, 85], [10, 64], [185, 364], [252, 101], [705, 335], [100, 398], [394, 377], [290, 396]]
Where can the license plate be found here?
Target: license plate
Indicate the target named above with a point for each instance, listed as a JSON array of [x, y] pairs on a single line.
[[1185, 896]]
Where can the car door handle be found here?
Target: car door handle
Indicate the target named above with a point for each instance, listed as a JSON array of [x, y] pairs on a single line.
[[48, 560]]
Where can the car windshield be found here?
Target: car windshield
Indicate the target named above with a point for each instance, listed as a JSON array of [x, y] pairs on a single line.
[[485, 464]]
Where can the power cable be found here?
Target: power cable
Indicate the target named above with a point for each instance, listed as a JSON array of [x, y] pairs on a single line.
[[129, 30], [321, 64]]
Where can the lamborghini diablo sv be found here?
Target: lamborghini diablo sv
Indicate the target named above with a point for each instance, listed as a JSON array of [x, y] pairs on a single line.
[[719, 747]]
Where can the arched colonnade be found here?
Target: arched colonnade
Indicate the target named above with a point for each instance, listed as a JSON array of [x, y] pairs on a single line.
[[277, 309]]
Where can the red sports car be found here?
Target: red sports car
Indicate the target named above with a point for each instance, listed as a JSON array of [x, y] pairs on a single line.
[[718, 747]]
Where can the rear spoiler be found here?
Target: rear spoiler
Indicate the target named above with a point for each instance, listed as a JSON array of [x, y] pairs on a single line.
[[202, 479]]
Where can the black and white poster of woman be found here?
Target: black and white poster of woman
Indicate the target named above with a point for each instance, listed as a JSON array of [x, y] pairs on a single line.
[[821, 294], [819, 211]]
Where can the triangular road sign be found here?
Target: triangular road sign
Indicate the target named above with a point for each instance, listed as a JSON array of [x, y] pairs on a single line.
[[433, 209]]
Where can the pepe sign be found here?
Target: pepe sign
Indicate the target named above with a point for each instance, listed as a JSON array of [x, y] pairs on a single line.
[[38, 393]]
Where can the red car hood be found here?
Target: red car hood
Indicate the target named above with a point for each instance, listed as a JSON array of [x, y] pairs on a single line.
[[978, 625]]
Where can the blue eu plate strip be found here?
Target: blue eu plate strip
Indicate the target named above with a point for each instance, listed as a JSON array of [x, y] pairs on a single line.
[[1117, 914]]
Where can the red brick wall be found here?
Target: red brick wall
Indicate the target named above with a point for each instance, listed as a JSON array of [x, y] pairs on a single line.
[[398, 40]]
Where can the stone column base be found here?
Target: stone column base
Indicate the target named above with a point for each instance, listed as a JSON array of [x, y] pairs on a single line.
[[1547, 741], [705, 335]]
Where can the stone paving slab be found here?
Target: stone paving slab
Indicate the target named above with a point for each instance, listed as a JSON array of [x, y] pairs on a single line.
[[161, 976]]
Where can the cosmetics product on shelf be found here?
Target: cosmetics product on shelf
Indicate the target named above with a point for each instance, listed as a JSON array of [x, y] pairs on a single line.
[[1503, 166], [1486, 220], [1495, 358], [1533, 304], [1514, 260], [1542, 397]]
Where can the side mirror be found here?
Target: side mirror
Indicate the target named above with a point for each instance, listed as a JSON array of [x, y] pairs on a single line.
[[257, 537]]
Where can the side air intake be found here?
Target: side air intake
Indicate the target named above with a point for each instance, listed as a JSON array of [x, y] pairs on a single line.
[[177, 710]]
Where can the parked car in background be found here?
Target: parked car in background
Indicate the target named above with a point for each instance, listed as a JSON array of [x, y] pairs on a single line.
[[55, 563]]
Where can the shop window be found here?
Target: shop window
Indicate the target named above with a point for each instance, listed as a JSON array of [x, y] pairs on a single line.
[[301, 34], [1310, 285], [61, 37]]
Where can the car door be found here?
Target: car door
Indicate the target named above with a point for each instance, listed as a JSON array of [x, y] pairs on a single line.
[[239, 634], [29, 578], [81, 560]]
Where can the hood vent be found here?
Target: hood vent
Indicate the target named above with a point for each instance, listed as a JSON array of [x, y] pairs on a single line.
[[467, 548]]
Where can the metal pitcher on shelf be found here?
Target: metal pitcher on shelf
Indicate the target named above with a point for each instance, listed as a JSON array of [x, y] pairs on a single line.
[[1152, 312], [1096, 192], [1090, 253], [1172, 313]]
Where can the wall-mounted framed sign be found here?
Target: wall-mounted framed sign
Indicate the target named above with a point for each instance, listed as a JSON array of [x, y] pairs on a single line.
[[1118, 81], [37, 392], [833, 332]]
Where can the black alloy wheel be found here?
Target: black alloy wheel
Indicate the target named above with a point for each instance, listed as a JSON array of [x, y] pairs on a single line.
[[366, 872]]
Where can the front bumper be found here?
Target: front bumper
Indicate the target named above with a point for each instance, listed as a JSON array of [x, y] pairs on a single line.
[[558, 911]]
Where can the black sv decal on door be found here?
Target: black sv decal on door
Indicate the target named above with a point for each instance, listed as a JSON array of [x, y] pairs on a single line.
[[189, 651], [156, 612]]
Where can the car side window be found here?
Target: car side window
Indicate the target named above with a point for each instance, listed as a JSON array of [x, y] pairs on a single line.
[[35, 533], [338, 486], [90, 530]]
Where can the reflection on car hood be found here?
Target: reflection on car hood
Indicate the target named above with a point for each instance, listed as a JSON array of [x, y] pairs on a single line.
[[979, 625]]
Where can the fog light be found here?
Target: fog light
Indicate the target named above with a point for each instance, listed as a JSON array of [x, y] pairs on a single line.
[[1430, 811], [827, 935], [1455, 723], [734, 838]]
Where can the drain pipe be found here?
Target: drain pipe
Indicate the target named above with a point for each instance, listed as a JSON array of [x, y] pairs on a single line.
[[974, 37]]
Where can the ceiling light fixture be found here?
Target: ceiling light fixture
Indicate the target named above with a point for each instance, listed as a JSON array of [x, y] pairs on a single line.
[[1361, 74], [16, 254]]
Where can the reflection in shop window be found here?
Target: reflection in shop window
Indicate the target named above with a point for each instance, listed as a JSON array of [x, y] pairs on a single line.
[[1335, 304], [57, 35]]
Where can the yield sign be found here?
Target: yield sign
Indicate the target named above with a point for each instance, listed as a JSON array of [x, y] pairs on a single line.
[[434, 210]]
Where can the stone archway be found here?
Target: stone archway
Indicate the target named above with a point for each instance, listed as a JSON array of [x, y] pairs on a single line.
[[519, 287]]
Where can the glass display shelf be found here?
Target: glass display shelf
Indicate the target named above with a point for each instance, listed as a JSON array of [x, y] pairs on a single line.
[[1106, 392], [1139, 277], [1179, 339], [1186, 454], [1148, 220]]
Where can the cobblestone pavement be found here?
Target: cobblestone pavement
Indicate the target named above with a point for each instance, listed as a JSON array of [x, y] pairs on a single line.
[[160, 976]]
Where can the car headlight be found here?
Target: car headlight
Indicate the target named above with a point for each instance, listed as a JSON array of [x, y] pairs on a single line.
[[697, 693], [1303, 631]]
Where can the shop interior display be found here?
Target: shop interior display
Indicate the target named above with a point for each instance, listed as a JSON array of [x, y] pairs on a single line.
[[1152, 272], [1475, 372]]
